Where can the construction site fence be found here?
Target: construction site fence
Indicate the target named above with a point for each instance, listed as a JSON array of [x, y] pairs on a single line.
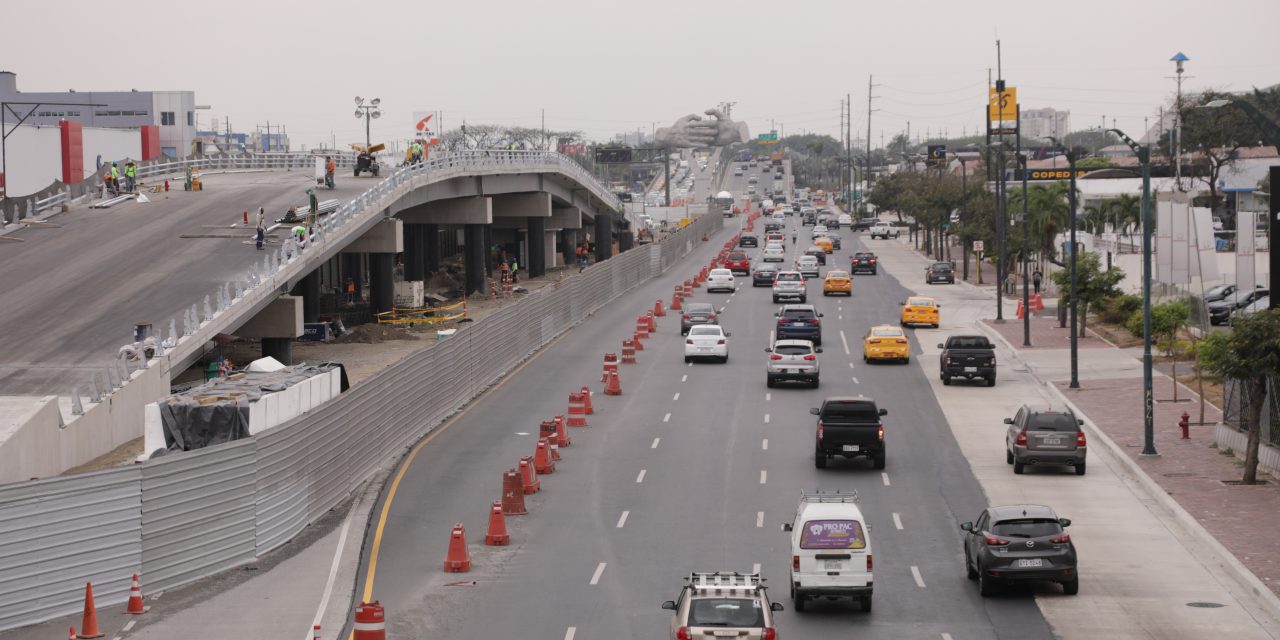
[[422, 315], [181, 517]]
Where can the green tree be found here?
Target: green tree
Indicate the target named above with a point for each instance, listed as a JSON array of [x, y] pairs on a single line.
[[1168, 319], [1250, 355], [1093, 284], [1215, 136]]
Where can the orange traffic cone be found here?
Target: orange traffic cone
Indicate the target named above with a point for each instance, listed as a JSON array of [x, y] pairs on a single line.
[[653, 323], [528, 476], [497, 535], [555, 450], [135, 599], [459, 559], [586, 398], [542, 462], [562, 434], [577, 410], [614, 387], [89, 622], [657, 308], [675, 300], [73, 634], [636, 341], [513, 494]]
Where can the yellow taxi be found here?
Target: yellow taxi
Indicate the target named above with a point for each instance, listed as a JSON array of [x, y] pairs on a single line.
[[886, 342], [837, 281], [824, 242], [920, 310]]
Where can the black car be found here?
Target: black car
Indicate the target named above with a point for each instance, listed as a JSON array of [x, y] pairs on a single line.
[[1219, 292], [809, 219], [864, 224], [763, 275], [849, 427], [1020, 543], [749, 240], [863, 261], [772, 225], [799, 322], [1220, 311], [696, 313], [817, 252], [940, 272]]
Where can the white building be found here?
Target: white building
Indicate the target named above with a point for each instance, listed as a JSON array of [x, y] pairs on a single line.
[[1042, 123]]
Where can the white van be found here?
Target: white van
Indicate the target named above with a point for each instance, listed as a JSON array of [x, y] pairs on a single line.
[[830, 549]]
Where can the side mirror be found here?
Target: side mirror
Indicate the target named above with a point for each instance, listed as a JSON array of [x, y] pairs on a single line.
[[884, 412], [1008, 420], [940, 346], [820, 315], [768, 350], [775, 606], [966, 526], [1080, 422], [786, 526], [1066, 522], [818, 350], [901, 304], [815, 411], [670, 605]]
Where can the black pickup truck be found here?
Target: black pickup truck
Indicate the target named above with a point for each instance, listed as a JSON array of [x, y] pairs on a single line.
[[969, 357], [849, 427]]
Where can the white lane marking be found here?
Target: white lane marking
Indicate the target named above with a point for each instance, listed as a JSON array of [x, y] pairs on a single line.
[[850, 365], [622, 521], [690, 364], [946, 636], [684, 378], [666, 418], [156, 596], [764, 476], [768, 397], [333, 567], [764, 444], [522, 433], [915, 573], [128, 625], [655, 443], [844, 341], [595, 577], [759, 519], [766, 418], [675, 397], [855, 380], [640, 478], [755, 568], [885, 476], [840, 317], [897, 521], [573, 631]]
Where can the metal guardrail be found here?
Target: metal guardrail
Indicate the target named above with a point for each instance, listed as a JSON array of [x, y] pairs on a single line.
[[185, 516]]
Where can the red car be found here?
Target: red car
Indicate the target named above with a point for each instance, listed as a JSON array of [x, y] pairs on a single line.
[[738, 263]]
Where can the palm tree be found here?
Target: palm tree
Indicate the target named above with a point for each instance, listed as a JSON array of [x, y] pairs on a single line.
[[816, 147], [1096, 217], [1127, 211]]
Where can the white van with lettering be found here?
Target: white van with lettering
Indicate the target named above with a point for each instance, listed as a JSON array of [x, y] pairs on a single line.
[[830, 549]]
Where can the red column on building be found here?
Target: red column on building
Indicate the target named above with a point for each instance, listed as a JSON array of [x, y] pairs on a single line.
[[72, 151], [150, 141]]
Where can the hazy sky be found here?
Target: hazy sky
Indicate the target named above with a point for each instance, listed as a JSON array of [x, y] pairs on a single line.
[[603, 66]]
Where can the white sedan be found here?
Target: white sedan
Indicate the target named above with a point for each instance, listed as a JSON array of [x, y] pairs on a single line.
[[807, 266], [773, 253], [706, 341], [721, 280], [845, 220]]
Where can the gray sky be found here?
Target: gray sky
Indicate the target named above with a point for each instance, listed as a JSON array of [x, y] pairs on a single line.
[[603, 66]]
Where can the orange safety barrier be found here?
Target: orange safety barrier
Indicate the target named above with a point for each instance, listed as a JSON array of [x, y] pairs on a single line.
[[513, 493], [586, 399], [529, 476], [370, 622], [658, 311], [651, 323], [635, 339], [675, 299], [628, 353], [547, 429], [497, 535], [1037, 302], [642, 327], [610, 364], [542, 463], [577, 410], [614, 387], [459, 559], [562, 434]]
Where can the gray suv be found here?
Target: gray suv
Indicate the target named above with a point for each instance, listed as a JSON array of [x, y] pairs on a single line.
[[1045, 434], [1020, 543], [697, 313], [792, 360], [789, 284]]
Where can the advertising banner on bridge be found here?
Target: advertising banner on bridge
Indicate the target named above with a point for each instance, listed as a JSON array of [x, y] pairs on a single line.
[[424, 126]]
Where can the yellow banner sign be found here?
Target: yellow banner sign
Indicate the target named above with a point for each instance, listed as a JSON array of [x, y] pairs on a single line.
[[1003, 105]]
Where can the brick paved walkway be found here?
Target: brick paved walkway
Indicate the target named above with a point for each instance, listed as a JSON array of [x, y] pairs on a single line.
[[1045, 333], [1246, 520]]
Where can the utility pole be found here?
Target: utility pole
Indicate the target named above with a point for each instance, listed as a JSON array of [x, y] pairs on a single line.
[[1176, 149], [866, 177]]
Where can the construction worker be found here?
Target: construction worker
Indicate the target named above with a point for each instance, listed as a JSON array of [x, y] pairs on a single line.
[[260, 237], [115, 176], [416, 150], [300, 235], [351, 291], [130, 177], [330, 168]]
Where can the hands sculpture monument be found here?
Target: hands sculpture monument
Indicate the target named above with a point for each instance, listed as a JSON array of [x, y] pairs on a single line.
[[695, 131]]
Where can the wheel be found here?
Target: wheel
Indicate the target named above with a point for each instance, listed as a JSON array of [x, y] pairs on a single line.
[[1008, 456], [775, 299], [797, 600], [968, 568], [825, 294], [986, 586], [1019, 467], [991, 380], [946, 380], [1080, 469], [1071, 587], [865, 601], [768, 382], [687, 359], [865, 359], [818, 342], [724, 359], [879, 460], [815, 383], [357, 173], [819, 458], [906, 360], [803, 299]]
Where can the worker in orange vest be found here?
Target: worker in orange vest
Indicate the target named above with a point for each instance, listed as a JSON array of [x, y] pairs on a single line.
[[330, 168]]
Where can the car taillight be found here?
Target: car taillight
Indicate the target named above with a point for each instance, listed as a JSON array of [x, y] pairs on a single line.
[[909, 309], [947, 360], [1062, 539], [993, 358], [901, 341], [873, 341], [819, 431], [868, 563], [684, 316], [1080, 441], [770, 633], [880, 432], [688, 341], [873, 260], [683, 634], [993, 541], [775, 357], [812, 358], [1022, 438], [795, 562], [720, 341], [712, 317]]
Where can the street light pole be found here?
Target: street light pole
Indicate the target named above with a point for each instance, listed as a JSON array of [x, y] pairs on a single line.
[[1026, 243], [1148, 397], [1071, 204], [964, 214]]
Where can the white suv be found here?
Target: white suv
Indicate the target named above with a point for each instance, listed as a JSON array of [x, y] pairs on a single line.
[[830, 548], [721, 280], [883, 230]]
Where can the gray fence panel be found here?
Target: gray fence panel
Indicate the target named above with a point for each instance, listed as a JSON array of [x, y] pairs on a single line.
[[198, 513], [283, 492], [59, 533]]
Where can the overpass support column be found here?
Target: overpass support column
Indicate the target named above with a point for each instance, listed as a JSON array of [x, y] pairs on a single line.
[[604, 236], [537, 239], [381, 286], [309, 287], [413, 254], [486, 243], [279, 348], [625, 238], [476, 255], [429, 240]]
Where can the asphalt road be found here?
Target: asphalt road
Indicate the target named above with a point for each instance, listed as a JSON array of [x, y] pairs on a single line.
[[74, 292], [693, 468]]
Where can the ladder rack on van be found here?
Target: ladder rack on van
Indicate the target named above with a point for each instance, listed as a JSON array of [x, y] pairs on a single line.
[[849, 496], [725, 580]]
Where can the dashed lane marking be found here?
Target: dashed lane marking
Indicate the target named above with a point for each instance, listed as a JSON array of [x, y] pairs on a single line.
[[666, 418], [897, 521], [915, 573], [884, 475], [855, 380], [768, 397], [684, 378], [675, 397], [128, 625], [764, 444], [946, 636], [845, 342], [570, 633], [622, 521], [764, 476], [640, 478], [759, 519], [595, 577], [655, 443], [766, 418]]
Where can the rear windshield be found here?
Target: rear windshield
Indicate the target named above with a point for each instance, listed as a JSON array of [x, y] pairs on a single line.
[[700, 308], [704, 331], [832, 534], [798, 313], [1027, 528], [940, 267], [793, 277], [737, 256], [807, 259], [970, 343], [725, 612], [792, 350], [837, 274], [864, 256], [852, 409], [920, 302], [1052, 422], [886, 333]]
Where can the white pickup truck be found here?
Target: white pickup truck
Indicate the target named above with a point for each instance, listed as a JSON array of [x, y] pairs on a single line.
[[884, 230]]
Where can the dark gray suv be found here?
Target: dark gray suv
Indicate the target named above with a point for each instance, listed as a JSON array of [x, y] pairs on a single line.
[[697, 313], [1045, 434], [1019, 543]]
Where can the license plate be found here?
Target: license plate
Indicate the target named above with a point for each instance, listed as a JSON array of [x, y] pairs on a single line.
[[1031, 562], [831, 565], [970, 369], [1053, 441], [704, 348], [850, 447], [797, 324]]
